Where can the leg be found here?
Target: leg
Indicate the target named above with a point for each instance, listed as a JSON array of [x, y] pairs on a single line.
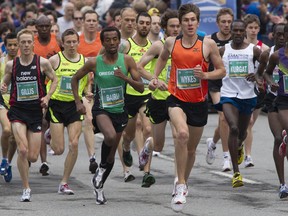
[[57, 138], [43, 150]]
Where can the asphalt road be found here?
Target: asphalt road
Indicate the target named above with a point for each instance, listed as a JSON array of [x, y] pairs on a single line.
[[210, 190]]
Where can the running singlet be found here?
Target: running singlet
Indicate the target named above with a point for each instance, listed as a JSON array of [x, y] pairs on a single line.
[[46, 51], [27, 84], [183, 84], [275, 74], [238, 64], [137, 52], [110, 90], [164, 76], [89, 49], [64, 73], [6, 96], [283, 73]]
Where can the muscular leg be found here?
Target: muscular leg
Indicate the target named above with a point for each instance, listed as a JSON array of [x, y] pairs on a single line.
[[74, 132]]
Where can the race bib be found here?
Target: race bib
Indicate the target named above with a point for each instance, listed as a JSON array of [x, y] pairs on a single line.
[[27, 91], [112, 96], [186, 79], [238, 69], [285, 83], [65, 85]]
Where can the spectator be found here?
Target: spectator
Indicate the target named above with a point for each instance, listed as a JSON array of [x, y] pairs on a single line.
[[66, 21]]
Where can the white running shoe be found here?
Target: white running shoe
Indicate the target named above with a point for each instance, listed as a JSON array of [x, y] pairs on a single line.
[[211, 155], [248, 162], [180, 194], [26, 196], [100, 198], [226, 164], [65, 189], [145, 152]]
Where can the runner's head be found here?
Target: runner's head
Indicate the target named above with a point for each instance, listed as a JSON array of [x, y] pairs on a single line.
[[70, 41], [11, 44], [170, 23], [224, 19], [238, 31], [143, 24], [43, 26], [110, 38], [189, 15], [278, 35], [25, 40]]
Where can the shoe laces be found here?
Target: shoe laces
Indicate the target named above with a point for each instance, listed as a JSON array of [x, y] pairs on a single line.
[[180, 189], [100, 174]]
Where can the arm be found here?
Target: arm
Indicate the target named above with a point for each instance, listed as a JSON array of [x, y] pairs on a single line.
[[89, 66], [50, 73], [7, 76], [273, 61], [264, 58], [256, 57], [151, 53], [124, 47], [135, 82], [161, 62], [212, 52]]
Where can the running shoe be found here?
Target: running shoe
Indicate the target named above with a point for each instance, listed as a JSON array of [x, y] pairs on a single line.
[[283, 191], [226, 164], [211, 155], [97, 178], [100, 198], [47, 136], [180, 196], [3, 167], [148, 180], [237, 180], [93, 165], [240, 154], [174, 188], [44, 169], [26, 196], [128, 176], [127, 158], [65, 189], [282, 147], [145, 152], [8, 176], [248, 162]]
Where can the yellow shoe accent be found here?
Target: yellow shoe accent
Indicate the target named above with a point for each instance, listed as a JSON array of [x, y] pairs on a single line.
[[237, 180], [240, 154]]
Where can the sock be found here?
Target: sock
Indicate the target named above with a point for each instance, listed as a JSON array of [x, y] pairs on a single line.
[[108, 167], [105, 151], [226, 155]]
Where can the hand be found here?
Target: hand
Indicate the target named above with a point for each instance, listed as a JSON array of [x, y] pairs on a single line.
[[44, 102], [250, 77], [162, 85], [274, 87], [198, 73], [80, 108], [260, 85], [153, 84], [118, 73], [4, 88]]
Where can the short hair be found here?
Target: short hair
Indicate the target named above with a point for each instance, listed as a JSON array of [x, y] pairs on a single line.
[[286, 28], [169, 14], [5, 26], [277, 26], [224, 11], [187, 8], [115, 14], [126, 9], [52, 13], [9, 36], [109, 29], [145, 14], [250, 18], [67, 32], [90, 12], [30, 23], [238, 21], [25, 31]]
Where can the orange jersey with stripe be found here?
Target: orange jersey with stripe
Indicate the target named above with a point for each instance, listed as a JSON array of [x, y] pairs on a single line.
[[183, 84], [89, 49], [46, 51]]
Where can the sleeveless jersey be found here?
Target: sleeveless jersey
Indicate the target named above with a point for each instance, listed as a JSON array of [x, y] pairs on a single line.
[[164, 76], [238, 63], [89, 49], [64, 72], [110, 90], [283, 73], [46, 51], [275, 74], [183, 84], [137, 52], [27, 84]]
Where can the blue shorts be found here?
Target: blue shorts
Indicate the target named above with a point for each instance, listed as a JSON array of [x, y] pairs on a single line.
[[245, 106]]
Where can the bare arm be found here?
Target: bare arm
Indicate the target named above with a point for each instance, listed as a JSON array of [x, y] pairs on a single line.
[[135, 82], [264, 58], [212, 53], [151, 53], [89, 66], [50, 73], [273, 61]]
